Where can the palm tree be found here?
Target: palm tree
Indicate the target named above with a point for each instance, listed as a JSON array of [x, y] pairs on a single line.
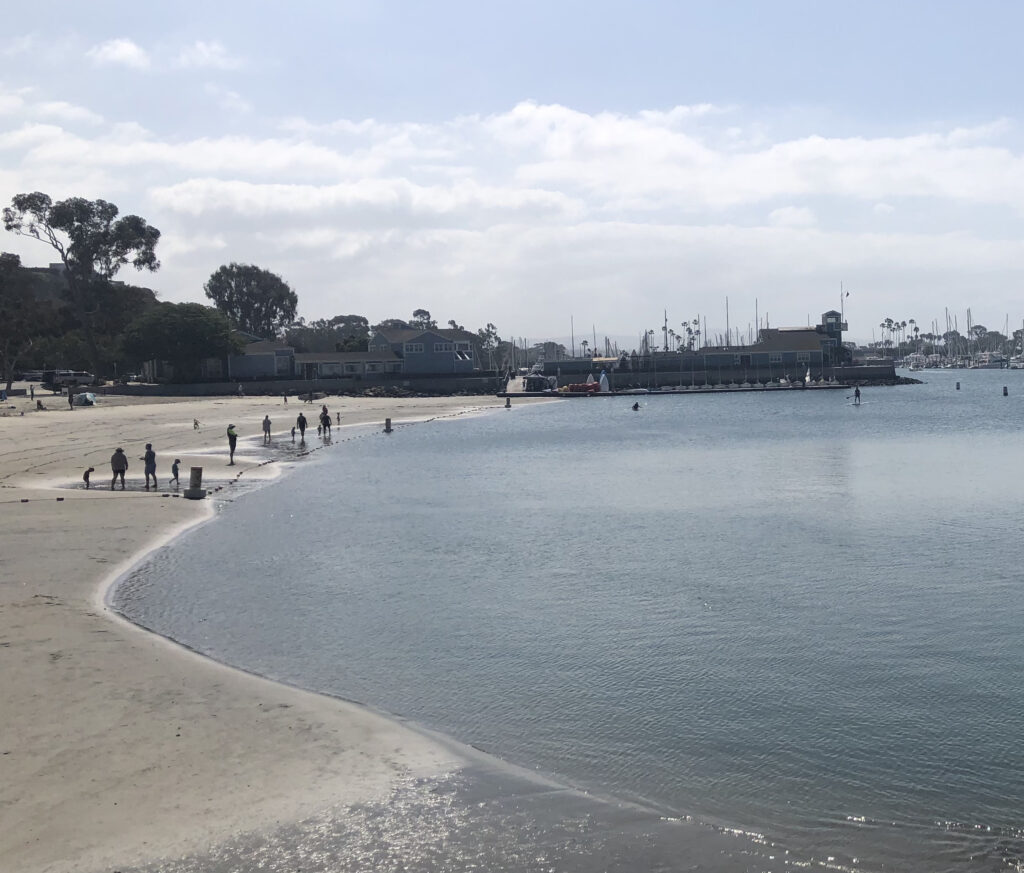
[[583, 345]]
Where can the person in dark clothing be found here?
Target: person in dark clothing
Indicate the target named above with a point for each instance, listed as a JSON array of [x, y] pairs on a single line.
[[174, 471], [325, 421], [232, 442], [300, 423], [149, 462], [31, 392], [119, 466], [85, 475], [71, 400]]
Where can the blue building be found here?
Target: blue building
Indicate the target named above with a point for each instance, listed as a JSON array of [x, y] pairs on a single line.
[[433, 351]]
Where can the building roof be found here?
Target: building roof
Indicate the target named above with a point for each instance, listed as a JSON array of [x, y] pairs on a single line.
[[264, 347], [344, 357], [405, 335]]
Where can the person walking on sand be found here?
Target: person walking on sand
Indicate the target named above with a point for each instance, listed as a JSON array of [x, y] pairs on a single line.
[[71, 400], [31, 392], [266, 429], [284, 397], [119, 466], [149, 468], [300, 423], [174, 471], [232, 442], [325, 421]]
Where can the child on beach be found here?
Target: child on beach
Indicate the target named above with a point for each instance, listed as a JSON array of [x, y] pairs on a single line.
[[174, 471], [85, 475]]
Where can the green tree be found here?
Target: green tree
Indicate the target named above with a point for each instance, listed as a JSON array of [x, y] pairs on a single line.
[[393, 324], [183, 334], [24, 319], [421, 319], [343, 333], [257, 301], [488, 342], [93, 244]]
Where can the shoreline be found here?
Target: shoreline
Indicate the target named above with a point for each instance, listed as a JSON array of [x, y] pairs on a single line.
[[70, 750]]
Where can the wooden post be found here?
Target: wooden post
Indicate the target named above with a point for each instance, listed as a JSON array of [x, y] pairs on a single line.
[[195, 489]]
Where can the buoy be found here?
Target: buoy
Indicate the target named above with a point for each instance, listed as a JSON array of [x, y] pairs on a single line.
[[387, 425], [957, 386], [1005, 392], [508, 402]]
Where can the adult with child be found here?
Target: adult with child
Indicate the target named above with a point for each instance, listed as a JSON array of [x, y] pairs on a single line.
[[119, 466]]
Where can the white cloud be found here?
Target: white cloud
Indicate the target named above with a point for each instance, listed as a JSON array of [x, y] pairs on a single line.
[[119, 51], [792, 216], [62, 111], [523, 216], [228, 100], [207, 55]]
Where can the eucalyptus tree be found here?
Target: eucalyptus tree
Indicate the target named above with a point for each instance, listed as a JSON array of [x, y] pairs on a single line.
[[92, 244]]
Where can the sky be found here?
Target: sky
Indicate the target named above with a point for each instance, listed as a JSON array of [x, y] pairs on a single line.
[[536, 164]]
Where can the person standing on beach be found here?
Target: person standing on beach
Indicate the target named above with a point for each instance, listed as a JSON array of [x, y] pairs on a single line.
[[232, 442], [284, 397], [85, 475], [856, 396], [300, 423], [266, 429], [71, 400], [149, 460], [119, 466], [31, 392]]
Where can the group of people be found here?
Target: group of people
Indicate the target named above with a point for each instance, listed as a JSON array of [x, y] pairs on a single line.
[[119, 460], [119, 466], [323, 429]]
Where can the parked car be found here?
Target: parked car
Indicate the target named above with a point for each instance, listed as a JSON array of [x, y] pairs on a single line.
[[57, 380]]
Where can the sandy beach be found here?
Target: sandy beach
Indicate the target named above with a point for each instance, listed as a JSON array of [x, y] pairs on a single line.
[[118, 747]]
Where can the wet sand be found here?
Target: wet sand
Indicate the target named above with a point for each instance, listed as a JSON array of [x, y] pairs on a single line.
[[117, 747]]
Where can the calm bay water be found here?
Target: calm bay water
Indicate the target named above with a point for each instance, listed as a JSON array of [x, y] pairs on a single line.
[[775, 612]]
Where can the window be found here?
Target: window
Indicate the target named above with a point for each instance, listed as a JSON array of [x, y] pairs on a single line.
[[372, 368], [774, 357], [803, 357], [463, 347], [413, 348], [444, 347], [736, 360]]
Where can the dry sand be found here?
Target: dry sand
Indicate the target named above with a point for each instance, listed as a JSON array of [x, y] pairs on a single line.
[[117, 746]]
